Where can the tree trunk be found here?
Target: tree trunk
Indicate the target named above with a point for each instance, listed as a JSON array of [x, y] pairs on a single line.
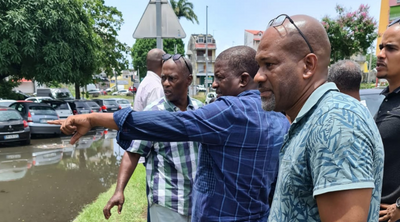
[[77, 91]]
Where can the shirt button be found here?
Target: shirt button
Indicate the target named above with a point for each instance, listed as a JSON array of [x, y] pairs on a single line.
[[388, 111], [386, 100], [379, 112]]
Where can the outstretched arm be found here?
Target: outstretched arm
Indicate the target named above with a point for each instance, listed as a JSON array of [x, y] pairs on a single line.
[[128, 166], [79, 125]]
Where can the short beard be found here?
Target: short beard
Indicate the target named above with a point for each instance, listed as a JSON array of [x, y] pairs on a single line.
[[268, 104]]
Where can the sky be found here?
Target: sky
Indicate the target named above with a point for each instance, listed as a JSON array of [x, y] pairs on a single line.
[[227, 20]]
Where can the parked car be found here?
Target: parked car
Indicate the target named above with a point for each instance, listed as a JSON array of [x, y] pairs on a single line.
[[7, 102], [95, 108], [201, 88], [108, 105], [38, 99], [13, 127], [79, 107], [37, 115], [372, 99], [94, 92], [58, 93], [123, 92], [62, 107], [124, 103], [210, 96]]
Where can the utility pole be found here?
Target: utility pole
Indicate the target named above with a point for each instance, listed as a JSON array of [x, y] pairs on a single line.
[[158, 22], [206, 56], [370, 63]]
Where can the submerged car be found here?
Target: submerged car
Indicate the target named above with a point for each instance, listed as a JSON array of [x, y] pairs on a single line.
[[13, 128], [372, 99], [14, 163], [37, 115]]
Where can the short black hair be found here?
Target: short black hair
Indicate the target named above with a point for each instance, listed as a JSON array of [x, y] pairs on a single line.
[[240, 59], [346, 74]]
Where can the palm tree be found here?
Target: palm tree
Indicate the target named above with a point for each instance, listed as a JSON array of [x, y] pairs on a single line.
[[184, 9]]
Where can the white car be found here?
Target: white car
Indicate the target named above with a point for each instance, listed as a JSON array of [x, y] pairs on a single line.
[[210, 96], [124, 103], [122, 92], [6, 102], [38, 99]]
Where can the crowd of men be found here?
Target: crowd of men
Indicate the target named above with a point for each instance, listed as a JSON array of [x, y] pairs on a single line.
[[287, 138]]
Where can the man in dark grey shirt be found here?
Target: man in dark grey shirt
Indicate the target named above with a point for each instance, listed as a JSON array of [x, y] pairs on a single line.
[[388, 121]]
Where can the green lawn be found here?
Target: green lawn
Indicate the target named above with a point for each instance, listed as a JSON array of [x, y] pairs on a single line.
[[134, 209]]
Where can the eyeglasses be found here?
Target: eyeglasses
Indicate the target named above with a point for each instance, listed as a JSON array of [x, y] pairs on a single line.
[[175, 57], [279, 21], [394, 22]]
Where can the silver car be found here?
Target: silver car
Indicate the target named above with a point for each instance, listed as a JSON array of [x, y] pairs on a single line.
[[37, 115], [124, 103]]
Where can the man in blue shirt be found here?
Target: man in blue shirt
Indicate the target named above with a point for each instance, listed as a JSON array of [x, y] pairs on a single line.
[[240, 142], [331, 163]]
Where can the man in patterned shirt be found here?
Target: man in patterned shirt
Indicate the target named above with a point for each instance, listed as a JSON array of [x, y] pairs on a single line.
[[331, 161], [170, 170], [240, 142]]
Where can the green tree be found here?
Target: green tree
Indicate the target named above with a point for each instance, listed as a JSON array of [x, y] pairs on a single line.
[[351, 33], [143, 46], [184, 9], [46, 41], [107, 22]]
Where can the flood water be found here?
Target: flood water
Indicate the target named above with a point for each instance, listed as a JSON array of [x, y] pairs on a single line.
[[51, 180]]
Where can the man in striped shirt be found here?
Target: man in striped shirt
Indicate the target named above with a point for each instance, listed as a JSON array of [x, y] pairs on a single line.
[[170, 166]]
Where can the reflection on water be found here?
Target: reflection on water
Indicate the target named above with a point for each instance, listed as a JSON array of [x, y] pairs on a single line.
[[52, 180]]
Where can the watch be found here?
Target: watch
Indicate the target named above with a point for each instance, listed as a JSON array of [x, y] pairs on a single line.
[[398, 202]]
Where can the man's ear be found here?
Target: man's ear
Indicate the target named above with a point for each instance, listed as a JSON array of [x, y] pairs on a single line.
[[244, 79], [190, 79], [310, 65]]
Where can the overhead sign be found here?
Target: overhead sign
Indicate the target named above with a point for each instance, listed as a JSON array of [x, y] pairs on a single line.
[[170, 26]]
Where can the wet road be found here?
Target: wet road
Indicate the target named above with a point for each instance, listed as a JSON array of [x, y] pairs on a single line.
[[51, 180]]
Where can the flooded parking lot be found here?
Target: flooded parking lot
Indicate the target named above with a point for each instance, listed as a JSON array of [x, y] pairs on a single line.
[[51, 180]]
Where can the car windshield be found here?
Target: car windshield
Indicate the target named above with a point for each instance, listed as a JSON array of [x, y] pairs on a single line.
[[123, 101], [60, 106], [42, 110], [93, 105], [81, 105], [7, 115], [110, 102]]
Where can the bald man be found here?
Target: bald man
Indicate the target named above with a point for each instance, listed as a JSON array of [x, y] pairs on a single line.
[[331, 163], [150, 89]]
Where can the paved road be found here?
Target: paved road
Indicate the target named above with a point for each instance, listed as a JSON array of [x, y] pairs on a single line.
[[51, 180]]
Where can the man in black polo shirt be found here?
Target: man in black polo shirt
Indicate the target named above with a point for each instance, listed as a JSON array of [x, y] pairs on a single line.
[[388, 121]]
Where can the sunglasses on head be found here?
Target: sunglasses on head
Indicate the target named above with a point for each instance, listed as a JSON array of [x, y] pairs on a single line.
[[278, 21], [175, 57], [394, 22]]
